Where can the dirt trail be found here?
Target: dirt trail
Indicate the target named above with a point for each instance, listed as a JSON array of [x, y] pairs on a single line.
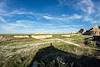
[[46, 42], [68, 42], [72, 43]]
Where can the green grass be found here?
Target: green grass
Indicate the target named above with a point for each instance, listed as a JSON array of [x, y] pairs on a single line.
[[16, 43], [18, 57], [60, 54], [78, 39], [73, 49], [22, 57], [13, 56]]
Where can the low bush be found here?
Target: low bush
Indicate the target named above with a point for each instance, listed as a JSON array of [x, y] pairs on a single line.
[[90, 42]]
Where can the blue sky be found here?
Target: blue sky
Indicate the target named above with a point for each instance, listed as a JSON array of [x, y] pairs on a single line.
[[48, 16]]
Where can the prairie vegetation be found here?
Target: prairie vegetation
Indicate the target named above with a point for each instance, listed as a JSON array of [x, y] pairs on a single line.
[[18, 56], [23, 52], [60, 54]]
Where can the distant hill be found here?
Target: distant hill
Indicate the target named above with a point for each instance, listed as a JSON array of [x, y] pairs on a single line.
[[93, 31], [88, 32]]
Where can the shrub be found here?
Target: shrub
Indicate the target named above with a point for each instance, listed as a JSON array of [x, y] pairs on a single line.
[[90, 42]]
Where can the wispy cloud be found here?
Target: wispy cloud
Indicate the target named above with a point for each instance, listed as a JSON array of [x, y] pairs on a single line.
[[30, 25], [90, 11], [63, 18], [2, 20], [86, 6], [46, 21], [18, 25]]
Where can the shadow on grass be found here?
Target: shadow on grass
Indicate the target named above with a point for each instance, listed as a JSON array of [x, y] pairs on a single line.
[[53, 57]]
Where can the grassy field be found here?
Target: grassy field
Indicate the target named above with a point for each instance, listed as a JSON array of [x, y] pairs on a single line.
[[22, 56], [60, 54], [23, 52], [18, 56], [21, 42]]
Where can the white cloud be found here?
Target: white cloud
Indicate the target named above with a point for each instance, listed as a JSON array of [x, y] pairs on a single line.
[[7, 28], [75, 16], [87, 18], [2, 20], [19, 25], [25, 24], [48, 17], [63, 18], [91, 11], [20, 12], [86, 6]]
